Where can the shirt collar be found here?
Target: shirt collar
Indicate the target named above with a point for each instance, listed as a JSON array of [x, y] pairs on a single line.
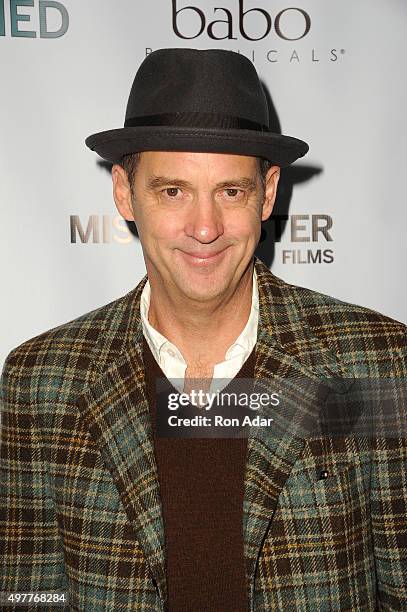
[[158, 343]]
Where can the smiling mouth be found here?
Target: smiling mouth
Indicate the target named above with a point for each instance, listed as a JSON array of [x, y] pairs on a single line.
[[195, 257]]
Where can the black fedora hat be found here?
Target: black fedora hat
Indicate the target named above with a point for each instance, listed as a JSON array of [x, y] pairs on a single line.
[[200, 101]]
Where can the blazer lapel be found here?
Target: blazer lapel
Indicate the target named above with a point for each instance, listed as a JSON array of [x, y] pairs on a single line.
[[286, 350], [116, 410]]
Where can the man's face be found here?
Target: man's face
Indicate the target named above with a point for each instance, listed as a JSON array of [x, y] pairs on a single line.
[[198, 216]]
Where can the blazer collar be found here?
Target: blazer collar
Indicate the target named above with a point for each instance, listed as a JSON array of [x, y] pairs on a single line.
[[117, 413]]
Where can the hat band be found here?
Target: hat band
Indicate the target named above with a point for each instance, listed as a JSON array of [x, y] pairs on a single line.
[[199, 120]]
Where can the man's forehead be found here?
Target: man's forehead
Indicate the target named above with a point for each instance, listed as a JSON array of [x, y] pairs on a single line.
[[217, 162]]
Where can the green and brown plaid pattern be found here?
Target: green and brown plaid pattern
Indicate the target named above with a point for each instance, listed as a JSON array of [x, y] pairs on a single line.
[[80, 506]]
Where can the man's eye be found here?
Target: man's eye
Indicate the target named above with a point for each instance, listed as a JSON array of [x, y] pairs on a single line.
[[232, 193], [172, 192]]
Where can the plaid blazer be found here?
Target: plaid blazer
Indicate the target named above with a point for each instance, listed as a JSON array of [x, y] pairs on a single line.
[[80, 501]]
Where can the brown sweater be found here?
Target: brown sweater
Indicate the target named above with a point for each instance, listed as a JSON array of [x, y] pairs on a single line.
[[202, 487]]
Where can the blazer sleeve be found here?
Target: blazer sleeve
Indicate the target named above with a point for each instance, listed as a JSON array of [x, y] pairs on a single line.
[[31, 555], [389, 503]]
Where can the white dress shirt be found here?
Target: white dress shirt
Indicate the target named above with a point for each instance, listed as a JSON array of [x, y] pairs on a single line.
[[173, 364]]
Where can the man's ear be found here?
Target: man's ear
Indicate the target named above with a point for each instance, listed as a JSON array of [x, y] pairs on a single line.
[[122, 192], [270, 191]]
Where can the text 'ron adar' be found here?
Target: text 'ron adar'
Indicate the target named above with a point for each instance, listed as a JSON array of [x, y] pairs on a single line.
[[218, 421]]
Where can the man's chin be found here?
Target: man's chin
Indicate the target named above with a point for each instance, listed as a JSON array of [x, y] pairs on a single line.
[[203, 289]]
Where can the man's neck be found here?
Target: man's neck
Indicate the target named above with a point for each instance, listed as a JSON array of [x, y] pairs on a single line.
[[202, 334]]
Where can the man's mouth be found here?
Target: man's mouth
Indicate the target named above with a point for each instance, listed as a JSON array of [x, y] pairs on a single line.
[[206, 257]]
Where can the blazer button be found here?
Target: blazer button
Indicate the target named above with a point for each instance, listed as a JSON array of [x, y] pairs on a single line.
[[323, 474]]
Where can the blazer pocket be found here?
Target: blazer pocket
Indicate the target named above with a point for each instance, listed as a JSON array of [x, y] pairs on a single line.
[[306, 489], [326, 475]]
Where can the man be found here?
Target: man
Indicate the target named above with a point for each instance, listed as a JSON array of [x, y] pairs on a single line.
[[95, 502]]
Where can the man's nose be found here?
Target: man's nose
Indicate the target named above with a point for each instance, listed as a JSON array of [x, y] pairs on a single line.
[[204, 222]]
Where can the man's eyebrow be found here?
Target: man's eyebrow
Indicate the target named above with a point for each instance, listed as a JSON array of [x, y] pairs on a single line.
[[160, 181], [243, 183]]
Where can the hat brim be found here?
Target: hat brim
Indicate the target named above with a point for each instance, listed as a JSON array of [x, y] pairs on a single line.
[[281, 150]]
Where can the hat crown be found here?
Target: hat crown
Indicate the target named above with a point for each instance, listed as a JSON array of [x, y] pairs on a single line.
[[197, 81], [204, 101]]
